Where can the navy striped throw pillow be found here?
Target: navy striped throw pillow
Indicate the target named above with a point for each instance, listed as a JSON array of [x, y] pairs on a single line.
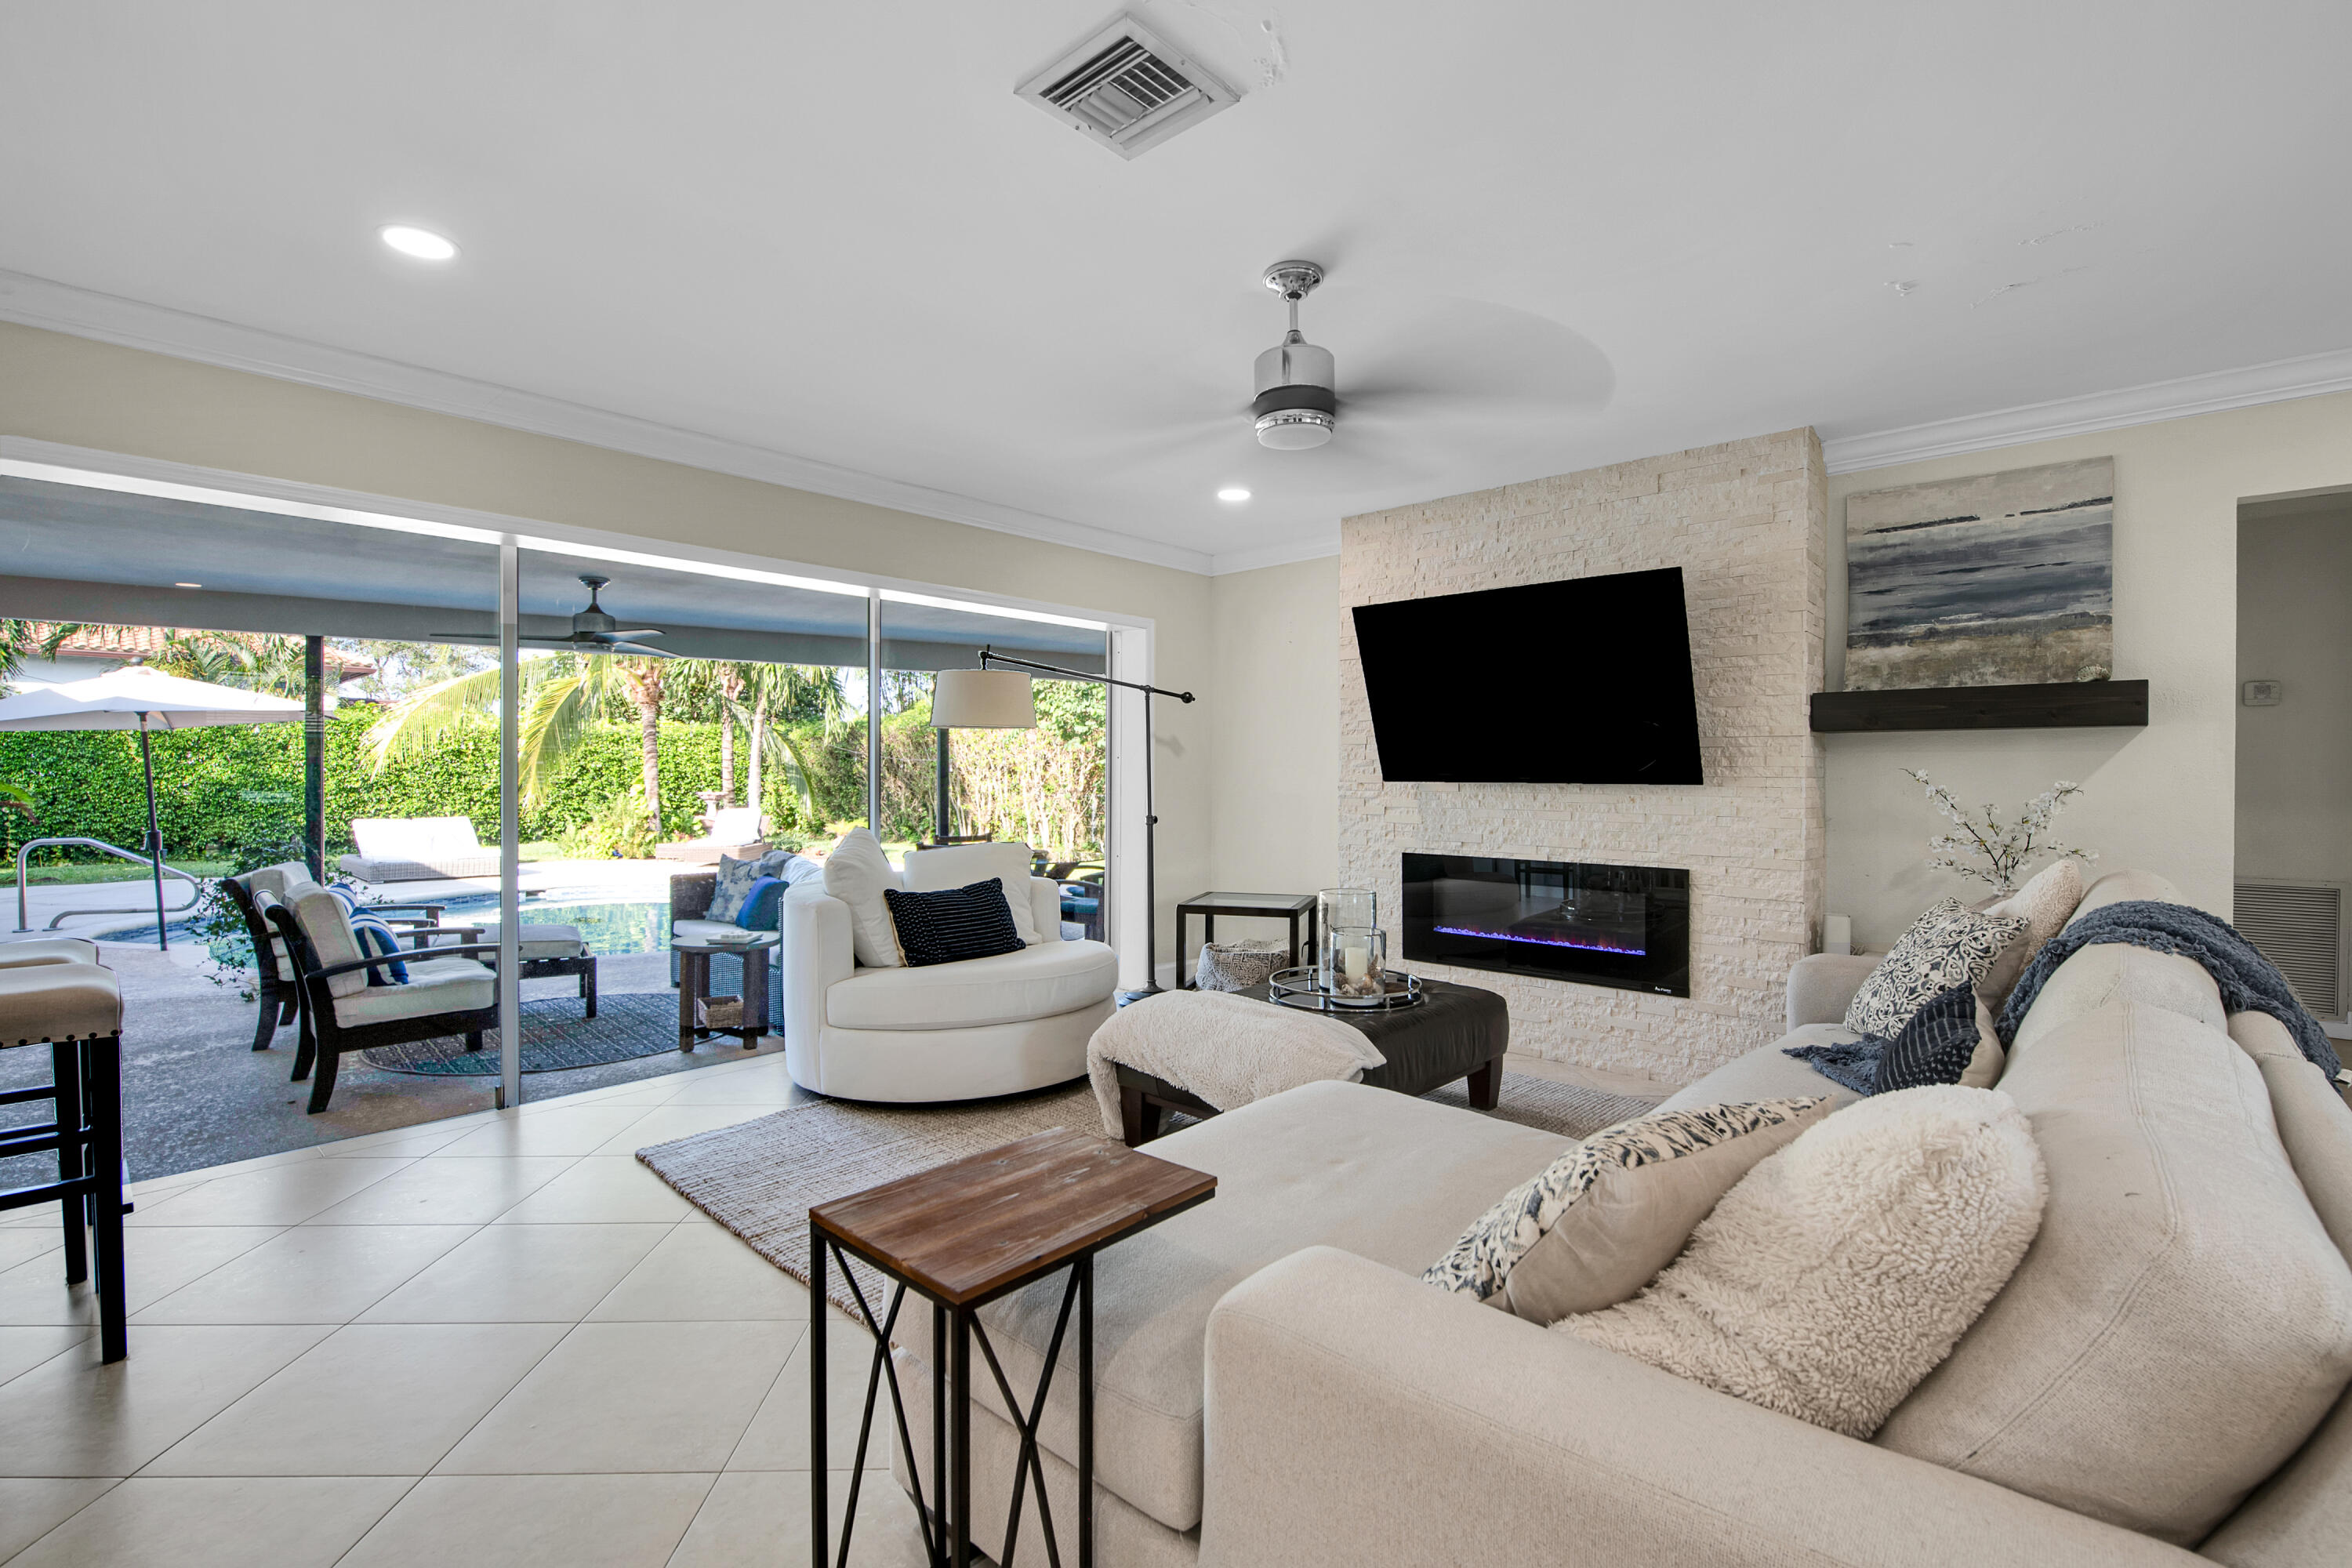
[[953, 923], [1934, 1047]]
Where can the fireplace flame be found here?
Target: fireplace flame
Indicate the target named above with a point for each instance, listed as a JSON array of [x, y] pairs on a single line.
[[1586, 945]]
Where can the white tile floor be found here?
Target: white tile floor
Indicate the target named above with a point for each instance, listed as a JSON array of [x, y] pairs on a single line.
[[496, 1340]]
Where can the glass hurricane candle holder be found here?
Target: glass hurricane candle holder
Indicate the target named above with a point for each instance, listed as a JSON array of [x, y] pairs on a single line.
[[1358, 961], [1337, 909]]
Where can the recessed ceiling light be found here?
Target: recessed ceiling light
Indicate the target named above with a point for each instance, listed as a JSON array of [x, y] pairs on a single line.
[[187, 585], [421, 243], [1233, 492]]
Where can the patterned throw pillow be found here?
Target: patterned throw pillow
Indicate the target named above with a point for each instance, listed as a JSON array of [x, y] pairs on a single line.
[[734, 884], [1600, 1222], [951, 925], [1947, 946]]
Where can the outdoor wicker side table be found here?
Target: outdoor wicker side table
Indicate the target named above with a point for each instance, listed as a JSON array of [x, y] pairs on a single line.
[[962, 1236]]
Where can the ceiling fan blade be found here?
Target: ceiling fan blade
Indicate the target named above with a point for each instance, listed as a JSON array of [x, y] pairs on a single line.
[[638, 648], [1420, 355], [624, 637]]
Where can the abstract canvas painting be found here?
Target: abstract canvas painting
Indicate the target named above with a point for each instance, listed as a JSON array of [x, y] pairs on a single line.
[[2003, 579]]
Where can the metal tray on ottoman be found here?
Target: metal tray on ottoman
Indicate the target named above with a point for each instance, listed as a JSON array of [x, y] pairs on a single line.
[[1455, 1031]]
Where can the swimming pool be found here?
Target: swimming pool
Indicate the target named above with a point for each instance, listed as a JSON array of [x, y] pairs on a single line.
[[609, 928]]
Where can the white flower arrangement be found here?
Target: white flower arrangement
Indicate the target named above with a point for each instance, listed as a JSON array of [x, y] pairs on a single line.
[[1993, 851]]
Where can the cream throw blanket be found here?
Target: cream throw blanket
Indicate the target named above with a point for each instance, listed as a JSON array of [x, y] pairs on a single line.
[[1228, 1049]]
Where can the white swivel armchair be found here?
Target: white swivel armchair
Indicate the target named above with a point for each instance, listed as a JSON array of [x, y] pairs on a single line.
[[948, 1031]]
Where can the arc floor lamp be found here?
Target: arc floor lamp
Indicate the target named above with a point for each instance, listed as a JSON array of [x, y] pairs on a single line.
[[997, 695]]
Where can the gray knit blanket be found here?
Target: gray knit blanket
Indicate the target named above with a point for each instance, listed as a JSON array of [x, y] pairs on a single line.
[[2248, 981]]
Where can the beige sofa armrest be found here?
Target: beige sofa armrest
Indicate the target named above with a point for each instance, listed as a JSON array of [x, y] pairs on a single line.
[[1356, 1415], [1821, 987]]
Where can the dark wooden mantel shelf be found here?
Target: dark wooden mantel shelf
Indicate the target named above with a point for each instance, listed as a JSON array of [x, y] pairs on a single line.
[[2076, 705]]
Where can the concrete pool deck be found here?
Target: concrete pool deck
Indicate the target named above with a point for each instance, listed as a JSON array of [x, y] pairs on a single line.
[[196, 1094]]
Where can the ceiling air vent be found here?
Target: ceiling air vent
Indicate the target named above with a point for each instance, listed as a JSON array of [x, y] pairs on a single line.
[[2300, 928], [1127, 89]]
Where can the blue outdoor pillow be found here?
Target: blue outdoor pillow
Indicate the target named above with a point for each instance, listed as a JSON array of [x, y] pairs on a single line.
[[758, 911], [375, 940]]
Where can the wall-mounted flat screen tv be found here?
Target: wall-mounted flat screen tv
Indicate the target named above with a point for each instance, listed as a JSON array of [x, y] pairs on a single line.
[[1582, 682]]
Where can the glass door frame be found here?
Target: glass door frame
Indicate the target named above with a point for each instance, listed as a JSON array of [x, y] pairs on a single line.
[[1130, 639]]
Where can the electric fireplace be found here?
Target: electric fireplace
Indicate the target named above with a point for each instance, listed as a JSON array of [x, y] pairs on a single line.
[[1622, 926]]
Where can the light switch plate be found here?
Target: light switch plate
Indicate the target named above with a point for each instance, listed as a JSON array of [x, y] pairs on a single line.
[[2264, 693]]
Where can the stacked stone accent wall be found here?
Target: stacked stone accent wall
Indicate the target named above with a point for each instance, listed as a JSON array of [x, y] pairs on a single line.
[[1746, 523]]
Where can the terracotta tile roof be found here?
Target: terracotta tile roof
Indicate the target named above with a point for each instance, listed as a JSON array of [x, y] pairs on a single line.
[[137, 642]]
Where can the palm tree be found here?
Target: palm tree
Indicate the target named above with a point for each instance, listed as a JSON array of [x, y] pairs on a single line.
[[562, 693], [640, 681]]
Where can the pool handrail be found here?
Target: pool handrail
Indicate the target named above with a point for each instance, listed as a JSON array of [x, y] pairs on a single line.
[[195, 886]]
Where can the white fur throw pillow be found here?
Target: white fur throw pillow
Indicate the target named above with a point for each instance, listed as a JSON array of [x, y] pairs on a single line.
[[855, 873], [1841, 1270]]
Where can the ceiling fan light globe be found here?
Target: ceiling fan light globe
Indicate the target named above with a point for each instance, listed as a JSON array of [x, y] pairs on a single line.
[[1295, 430]]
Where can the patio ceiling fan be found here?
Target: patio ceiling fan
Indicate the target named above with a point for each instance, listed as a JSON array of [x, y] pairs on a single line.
[[594, 629]]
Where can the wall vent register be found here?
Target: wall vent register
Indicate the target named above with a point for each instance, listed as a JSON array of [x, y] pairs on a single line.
[[2300, 928], [1625, 927], [1127, 89]]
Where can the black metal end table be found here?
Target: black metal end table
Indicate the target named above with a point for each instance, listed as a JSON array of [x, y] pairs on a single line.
[[700, 1014], [962, 1236], [1291, 906]]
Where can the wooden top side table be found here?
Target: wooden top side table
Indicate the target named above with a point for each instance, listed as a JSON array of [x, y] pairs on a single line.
[[962, 1234]]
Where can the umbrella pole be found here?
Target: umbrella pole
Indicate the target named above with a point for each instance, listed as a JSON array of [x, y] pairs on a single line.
[[154, 834]]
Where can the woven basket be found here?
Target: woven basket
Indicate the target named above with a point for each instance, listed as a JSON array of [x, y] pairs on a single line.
[[1238, 966]]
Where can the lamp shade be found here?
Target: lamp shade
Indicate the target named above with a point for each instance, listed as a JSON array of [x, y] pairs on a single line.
[[982, 700]]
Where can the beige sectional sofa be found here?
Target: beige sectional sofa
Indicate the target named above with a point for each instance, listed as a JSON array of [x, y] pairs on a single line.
[[2161, 1382]]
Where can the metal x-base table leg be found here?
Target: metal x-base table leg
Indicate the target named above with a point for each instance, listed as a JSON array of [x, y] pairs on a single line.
[[947, 1529]]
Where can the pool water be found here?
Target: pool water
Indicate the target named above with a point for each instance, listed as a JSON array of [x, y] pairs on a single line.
[[608, 928]]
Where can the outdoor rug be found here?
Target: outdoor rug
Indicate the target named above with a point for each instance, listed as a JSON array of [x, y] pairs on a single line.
[[759, 1178], [627, 1025]]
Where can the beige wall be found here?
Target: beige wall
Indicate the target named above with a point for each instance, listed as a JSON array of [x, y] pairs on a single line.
[[71, 390], [2295, 760], [1744, 521], [2162, 797], [1274, 732]]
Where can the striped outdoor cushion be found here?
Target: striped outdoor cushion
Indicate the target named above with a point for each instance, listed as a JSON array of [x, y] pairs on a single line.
[[953, 923], [375, 938]]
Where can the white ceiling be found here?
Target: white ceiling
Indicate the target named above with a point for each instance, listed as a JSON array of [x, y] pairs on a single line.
[[831, 231]]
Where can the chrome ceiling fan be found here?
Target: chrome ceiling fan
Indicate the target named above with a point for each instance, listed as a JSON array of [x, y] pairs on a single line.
[[1434, 376]]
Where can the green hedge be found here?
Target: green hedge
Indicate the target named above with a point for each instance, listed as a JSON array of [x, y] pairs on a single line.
[[220, 791]]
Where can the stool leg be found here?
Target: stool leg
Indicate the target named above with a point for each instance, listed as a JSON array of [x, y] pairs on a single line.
[[104, 1056], [66, 1073]]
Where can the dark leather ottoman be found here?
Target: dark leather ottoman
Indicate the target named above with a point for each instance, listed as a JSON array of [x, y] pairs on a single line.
[[1459, 1031]]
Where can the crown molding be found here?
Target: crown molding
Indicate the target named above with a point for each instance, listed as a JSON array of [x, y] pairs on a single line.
[[128, 323], [1267, 555], [2311, 375]]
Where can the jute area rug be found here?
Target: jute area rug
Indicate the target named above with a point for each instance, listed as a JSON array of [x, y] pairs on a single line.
[[759, 1178]]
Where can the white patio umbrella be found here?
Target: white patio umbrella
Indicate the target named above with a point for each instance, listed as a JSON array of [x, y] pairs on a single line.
[[136, 698]]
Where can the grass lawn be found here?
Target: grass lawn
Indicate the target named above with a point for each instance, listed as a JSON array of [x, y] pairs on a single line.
[[114, 871]]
